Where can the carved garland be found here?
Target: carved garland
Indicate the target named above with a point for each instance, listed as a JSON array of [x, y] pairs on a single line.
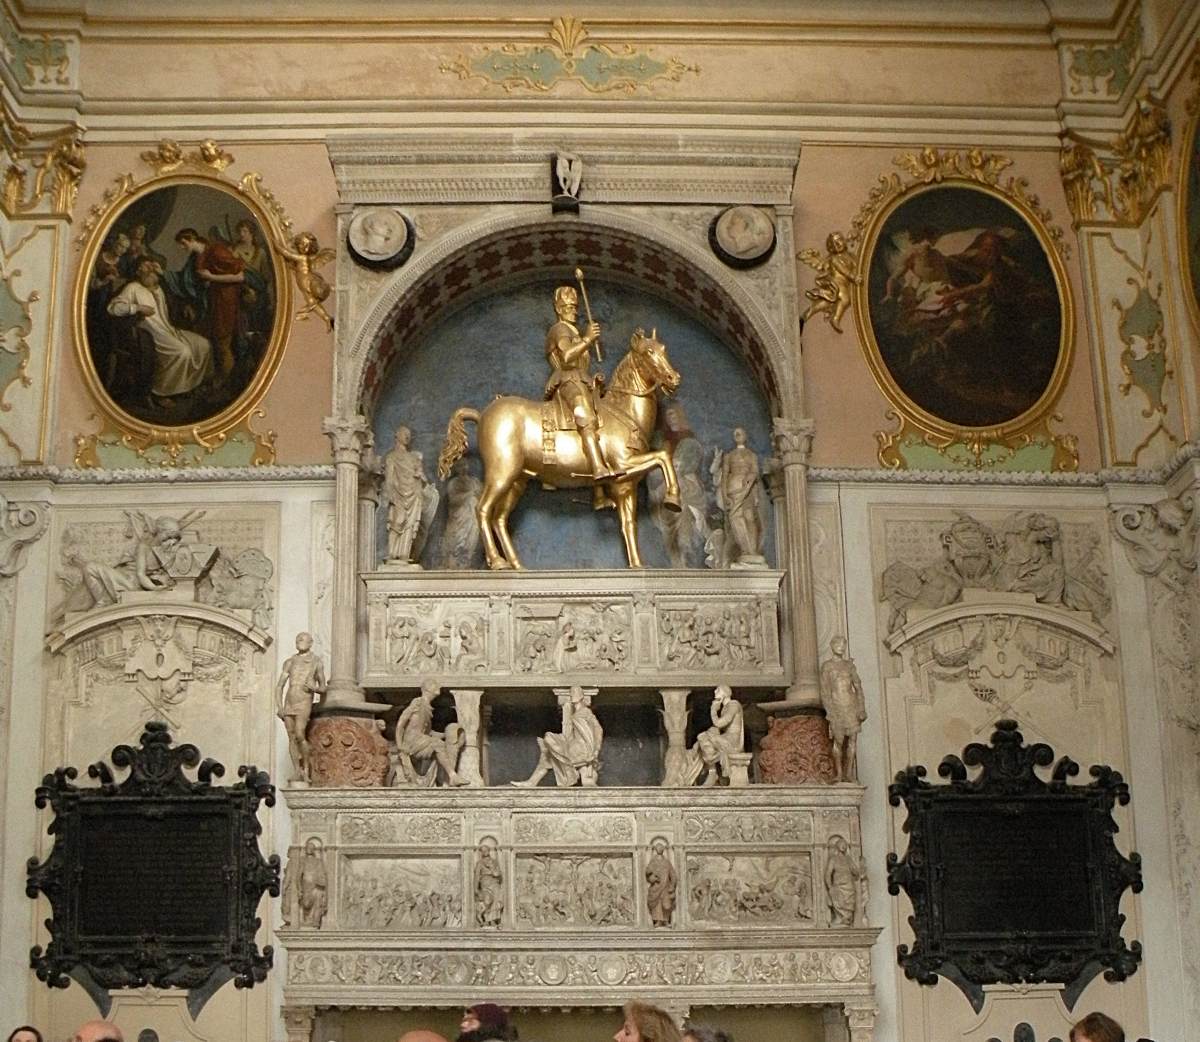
[[840, 286], [195, 443]]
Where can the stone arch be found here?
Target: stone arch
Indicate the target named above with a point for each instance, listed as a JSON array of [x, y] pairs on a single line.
[[482, 256]]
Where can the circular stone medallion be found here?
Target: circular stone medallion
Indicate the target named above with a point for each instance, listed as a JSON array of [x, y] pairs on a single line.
[[552, 969], [843, 966], [381, 237], [742, 236], [611, 970]]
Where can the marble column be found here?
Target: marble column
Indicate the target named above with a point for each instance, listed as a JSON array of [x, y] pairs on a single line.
[[370, 481], [675, 722], [470, 763], [861, 1018], [792, 440], [350, 437]]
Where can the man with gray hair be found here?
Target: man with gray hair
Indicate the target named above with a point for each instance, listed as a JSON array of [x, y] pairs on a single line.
[[98, 1031]]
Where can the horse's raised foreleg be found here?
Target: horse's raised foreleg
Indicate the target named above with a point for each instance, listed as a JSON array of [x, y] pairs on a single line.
[[625, 493], [503, 508], [643, 462]]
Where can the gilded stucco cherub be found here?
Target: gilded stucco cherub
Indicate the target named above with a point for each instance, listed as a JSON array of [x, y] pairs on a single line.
[[837, 274], [305, 255]]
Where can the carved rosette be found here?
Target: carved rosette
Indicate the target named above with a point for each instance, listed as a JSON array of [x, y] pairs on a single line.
[[796, 751], [346, 751]]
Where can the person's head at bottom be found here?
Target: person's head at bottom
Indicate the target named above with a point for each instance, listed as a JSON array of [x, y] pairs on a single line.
[[98, 1031], [645, 1023], [421, 1035], [486, 1021], [25, 1033], [1096, 1027], [703, 1033]]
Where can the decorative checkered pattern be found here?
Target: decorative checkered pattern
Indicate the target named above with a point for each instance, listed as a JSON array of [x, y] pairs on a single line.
[[557, 250]]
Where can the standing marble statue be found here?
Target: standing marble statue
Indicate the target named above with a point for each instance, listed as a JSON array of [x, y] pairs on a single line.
[[411, 500], [460, 539], [416, 740], [842, 875], [661, 884], [302, 677], [573, 755], [306, 886], [845, 709], [739, 494], [489, 885], [711, 754]]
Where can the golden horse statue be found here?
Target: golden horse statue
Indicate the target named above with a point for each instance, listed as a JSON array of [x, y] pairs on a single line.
[[517, 445]]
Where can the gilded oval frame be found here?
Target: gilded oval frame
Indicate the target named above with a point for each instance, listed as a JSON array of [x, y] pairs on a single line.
[[212, 430], [928, 423], [1190, 141]]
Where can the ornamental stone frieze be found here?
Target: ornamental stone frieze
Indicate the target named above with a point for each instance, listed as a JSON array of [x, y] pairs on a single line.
[[761, 892], [634, 629]]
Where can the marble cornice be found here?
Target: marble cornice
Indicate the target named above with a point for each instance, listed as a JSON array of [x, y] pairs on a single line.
[[145, 476]]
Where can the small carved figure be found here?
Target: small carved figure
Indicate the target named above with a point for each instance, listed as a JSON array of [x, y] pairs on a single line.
[[710, 755], [305, 255], [306, 886], [417, 741], [460, 539], [302, 677], [573, 755], [411, 500], [842, 873], [568, 175], [837, 275], [845, 709], [661, 884], [489, 885], [739, 494]]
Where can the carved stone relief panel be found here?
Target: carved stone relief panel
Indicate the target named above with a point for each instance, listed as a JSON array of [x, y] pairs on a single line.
[[412, 893], [573, 637], [574, 890], [431, 637], [766, 891]]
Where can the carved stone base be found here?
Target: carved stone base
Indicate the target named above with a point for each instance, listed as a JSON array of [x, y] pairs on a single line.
[[347, 751], [796, 750]]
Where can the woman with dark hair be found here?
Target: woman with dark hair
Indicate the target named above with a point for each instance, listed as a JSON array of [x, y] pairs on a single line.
[[703, 1033], [645, 1023], [1096, 1027], [26, 1033]]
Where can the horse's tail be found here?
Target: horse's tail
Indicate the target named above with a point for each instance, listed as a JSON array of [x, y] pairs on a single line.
[[456, 440]]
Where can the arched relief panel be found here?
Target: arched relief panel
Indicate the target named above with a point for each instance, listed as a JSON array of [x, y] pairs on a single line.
[[482, 256]]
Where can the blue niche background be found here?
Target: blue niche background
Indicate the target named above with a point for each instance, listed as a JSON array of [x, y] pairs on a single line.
[[497, 346]]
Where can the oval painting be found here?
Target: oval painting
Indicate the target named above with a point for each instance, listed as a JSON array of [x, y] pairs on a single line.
[[181, 306], [964, 308]]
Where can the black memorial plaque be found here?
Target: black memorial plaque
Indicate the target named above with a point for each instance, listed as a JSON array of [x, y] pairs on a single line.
[[1013, 878], [154, 880]]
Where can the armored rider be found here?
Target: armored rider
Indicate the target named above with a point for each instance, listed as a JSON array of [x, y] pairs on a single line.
[[571, 386]]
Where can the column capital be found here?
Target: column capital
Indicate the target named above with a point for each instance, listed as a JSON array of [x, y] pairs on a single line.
[[792, 441], [21, 525], [350, 436]]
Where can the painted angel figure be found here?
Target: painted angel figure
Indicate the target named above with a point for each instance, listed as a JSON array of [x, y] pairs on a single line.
[[837, 275], [305, 255]]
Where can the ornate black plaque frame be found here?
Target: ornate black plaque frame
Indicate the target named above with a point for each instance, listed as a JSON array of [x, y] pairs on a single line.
[[1079, 938], [159, 797]]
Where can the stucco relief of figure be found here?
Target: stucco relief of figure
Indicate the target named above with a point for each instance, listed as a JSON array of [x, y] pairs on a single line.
[[411, 500], [662, 881], [574, 754], [684, 532], [306, 887], [837, 275], [418, 745], [489, 885], [740, 495], [460, 538], [302, 677], [845, 709], [842, 886], [709, 757]]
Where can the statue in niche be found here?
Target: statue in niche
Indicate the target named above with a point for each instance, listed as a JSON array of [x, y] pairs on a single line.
[[302, 677], [710, 755], [424, 757], [306, 886], [146, 563], [411, 500], [568, 176], [460, 539], [684, 532], [574, 754], [845, 709], [738, 484], [661, 883], [842, 882], [489, 885]]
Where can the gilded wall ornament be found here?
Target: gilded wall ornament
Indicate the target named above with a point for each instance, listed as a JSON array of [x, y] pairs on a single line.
[[182, 310], [1188, 192], [1106, 69], [42, 169], [38, 61], [959, 293], [568, 56]]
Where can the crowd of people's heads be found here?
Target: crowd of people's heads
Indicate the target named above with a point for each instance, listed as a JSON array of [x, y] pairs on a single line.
[[642, 1022]]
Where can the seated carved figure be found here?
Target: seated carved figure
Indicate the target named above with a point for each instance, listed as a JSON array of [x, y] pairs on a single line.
[[574, 754], [714, 746], [420, 752]]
